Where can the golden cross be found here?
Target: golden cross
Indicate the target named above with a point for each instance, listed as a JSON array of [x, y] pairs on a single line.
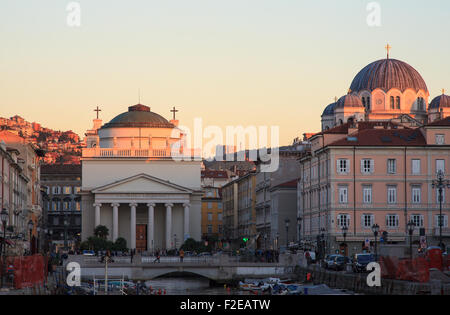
[[388, 47], [97, 110]]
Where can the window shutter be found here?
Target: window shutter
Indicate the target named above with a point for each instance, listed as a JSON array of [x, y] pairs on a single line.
[[372, 165], [348, 220], [387, 220], [362, 221], [362, 166], [396, 220], [338, 166]]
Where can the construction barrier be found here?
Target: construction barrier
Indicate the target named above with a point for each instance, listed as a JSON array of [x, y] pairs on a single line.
[[27, 271]]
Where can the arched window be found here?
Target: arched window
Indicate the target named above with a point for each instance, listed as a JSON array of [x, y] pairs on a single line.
[[368, 103], [392, 102], [397, 103], [364, 101], [340, 122]]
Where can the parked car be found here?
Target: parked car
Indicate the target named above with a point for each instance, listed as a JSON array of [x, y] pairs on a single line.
[[339, 263], [88, 253], [329, 261], [360, 261], [204, 254]]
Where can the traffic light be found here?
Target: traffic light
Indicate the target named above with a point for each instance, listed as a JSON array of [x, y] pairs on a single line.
[[245, 239]]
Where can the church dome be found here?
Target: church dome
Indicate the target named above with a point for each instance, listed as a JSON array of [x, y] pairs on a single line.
[[387, 74], [349, 100], [440, 101], [329, 110], [139, 116]]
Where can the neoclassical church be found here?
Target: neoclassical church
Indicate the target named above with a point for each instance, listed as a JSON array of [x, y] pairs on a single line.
[[132, 184], [387, 89]]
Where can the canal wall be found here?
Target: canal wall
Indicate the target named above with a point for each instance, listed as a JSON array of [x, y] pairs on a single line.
[[358, 283]]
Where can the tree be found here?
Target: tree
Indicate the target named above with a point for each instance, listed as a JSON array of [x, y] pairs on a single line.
[[120, 244], [101, 231]]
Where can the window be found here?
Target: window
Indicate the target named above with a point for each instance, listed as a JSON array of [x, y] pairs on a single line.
[[367, 194], [367, 220], [441, 219], [440, 166], [343, 166], [392, 220], [416, 192], [392, 194], [440, 139], [417, 219], [209, 229], [55, 221], [220, 229], [66, 205], [397, 102], [392, 102], [415, 167], [210, 216], [219, 205], [343, 194], [367, 166], [209, 205], [56, 190], [77, 190], [219, 216], [343, 220], [77, 205], [392, 166], [67, 190]]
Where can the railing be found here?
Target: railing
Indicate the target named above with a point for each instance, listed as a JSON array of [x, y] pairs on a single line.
[[136, 153], [175, 259]]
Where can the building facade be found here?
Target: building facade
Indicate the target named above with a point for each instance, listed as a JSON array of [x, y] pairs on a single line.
[[141, 182], [212, 214], [62, 207]]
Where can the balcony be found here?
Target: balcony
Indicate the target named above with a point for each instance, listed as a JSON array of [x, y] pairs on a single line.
[[138, 153], [445, 231]]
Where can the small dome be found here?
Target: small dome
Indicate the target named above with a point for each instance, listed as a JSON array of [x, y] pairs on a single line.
[[387, 74], [440, 101], [139, 116], [349, 100], [329, 110]]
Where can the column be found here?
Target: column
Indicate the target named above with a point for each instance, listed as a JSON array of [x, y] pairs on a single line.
[[97, 214], [186, 221], [133, 225], [169, 225], [115, 229], [150, 227]]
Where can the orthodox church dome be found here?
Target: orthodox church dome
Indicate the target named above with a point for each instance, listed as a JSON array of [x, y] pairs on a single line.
[[387, 74], [440, 101], [349, 100], [329, 110], [139, 116]]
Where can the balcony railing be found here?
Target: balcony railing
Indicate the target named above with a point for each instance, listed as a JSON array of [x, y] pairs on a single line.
[[137, 153]]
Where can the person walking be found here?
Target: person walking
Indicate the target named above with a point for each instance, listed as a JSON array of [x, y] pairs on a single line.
[[181, 255], [157, 259]]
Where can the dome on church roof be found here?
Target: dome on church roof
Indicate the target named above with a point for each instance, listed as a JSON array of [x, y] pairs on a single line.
[[139, 116], [329, 110], [440, 101], [387, 74], [349, 100]]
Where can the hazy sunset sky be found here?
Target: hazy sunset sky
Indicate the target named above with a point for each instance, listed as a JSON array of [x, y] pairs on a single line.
[[231, 62]]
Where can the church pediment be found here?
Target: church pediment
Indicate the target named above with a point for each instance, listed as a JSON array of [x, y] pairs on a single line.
[[142, 183]]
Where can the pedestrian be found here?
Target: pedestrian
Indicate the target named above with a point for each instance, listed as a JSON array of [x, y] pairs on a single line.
[[157, 259], [181, 255]]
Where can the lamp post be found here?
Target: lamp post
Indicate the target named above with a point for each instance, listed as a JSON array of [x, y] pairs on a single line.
[[411, 225], [50, 240], [344, 231], [66, 223], [375, 230], [4, 216], [440, 183], [30, 228], [286, 223], [265, 241]]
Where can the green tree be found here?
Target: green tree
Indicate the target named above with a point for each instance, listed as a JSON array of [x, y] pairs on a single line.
[[120, 244], [101, 231]]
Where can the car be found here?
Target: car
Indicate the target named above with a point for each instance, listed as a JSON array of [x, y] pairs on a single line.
[[88, 253], [329, 261], [204, 254], [339, 263], [360, 261]]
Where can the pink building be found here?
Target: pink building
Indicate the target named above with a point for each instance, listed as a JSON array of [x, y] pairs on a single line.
[[374, 163]]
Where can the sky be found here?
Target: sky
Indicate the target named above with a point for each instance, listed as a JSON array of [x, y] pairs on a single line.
[[229, 62]]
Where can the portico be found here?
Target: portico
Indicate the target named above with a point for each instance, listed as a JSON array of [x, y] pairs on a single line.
[[121, 199]]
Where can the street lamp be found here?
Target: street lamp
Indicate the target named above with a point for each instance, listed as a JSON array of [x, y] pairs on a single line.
[[66, 223], [440, 183], [265, 241], [30, 228], [411, 225], [4, 216], [375, 230], [344, 231], [286, 222]]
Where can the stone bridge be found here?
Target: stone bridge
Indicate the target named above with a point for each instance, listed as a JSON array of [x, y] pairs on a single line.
[[221, 269]]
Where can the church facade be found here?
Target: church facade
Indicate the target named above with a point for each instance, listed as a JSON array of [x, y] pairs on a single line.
[[132, 184]]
